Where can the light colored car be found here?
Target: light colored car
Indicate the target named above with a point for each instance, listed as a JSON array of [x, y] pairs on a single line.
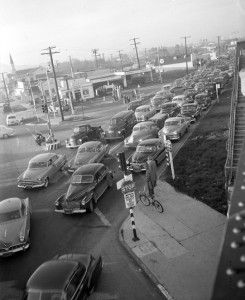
[[174, 128], [12, 120], [87, 153], [158, 101], [144, 112], [41, 169], [141, 132], [6, 132], [180, 100], [14, 226], [166, 87]]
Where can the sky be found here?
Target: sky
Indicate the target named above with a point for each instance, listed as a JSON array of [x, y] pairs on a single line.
[[75, 27]]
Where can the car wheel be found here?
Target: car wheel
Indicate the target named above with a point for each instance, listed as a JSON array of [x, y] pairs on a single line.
[[90, 209], [5, 135], [46, 182]]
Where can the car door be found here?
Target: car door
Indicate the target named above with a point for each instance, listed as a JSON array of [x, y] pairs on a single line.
[[101, 182], [55, 165]]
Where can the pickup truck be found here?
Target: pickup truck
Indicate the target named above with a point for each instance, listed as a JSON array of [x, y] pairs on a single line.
[[82, 134]]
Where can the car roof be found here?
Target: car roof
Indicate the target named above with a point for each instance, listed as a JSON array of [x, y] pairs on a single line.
[[190, 104], [174, 119], [52, 275], [123, 113], [42, 157], [179, 96], [143, 106], [149, 142], [89, 144], [158, 116], [144, 123], [10, 204], [88, 169]]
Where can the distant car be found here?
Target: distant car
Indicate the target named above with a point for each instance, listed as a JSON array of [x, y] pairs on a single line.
[[87, 153], [120, 126], [151, 147], [14, 226], [203, 100], [171, 109], [12, 120], [180, 100], [69, 276], [144, 112], [177, 90], [158, 101], [141, 132], [6, 108], [159, 119], [191, 111], [174, 128], [82, 134], [88, 183], [166, 87], [41, 169], [6, 132]]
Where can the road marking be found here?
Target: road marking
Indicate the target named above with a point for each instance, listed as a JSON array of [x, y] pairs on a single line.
[[102, 217], [164, 292], [114, 148]]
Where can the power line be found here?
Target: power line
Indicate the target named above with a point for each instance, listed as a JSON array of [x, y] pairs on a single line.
[[50, 53], [186, 54], [136, 50]]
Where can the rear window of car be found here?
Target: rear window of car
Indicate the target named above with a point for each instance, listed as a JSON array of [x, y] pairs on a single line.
[[172, 123], [11, 117], [40, 164], [78, 179]]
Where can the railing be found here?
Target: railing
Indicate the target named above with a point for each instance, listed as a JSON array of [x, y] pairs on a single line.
[[230, 145]]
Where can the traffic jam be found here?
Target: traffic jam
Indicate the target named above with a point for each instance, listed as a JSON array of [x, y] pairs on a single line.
[[148, 125]]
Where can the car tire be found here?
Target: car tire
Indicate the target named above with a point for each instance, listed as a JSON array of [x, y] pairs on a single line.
[[46, 182], [91, 207], [5, 136]]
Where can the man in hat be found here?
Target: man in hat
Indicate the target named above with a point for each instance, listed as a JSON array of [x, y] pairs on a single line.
[[151, 176]]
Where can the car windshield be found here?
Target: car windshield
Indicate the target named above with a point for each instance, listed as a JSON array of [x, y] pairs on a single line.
[[146, 109], [146, 149], [11, 117], [39, 164], [79, 129], [90, 149], [140, 128], [189, 108], [10, 215], [172, 123], [45, 295], [78, 179]]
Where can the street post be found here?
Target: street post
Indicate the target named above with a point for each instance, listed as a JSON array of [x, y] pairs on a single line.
[[168, 146], [217, 86]]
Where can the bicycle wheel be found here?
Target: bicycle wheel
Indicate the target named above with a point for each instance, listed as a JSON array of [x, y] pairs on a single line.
[[158, 206], [144, 199]]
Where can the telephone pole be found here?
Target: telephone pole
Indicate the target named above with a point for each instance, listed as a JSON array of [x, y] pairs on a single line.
[[218, 46], [186, 59], [5, 88], [136, 50], [95, 51], [50, 53], [71, 67], [120, 57]]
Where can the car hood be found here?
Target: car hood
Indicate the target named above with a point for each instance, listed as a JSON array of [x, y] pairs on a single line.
[[33, 174], [170, 129], [137, 136], [77, 190], [83, 159], [9, 232], [141, 157]]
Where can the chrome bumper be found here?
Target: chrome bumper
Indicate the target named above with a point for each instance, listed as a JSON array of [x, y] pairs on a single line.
[[71, 211], [12, 251], [31, 186]]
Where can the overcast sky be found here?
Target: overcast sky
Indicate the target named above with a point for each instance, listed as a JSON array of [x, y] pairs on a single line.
[[77, 26]]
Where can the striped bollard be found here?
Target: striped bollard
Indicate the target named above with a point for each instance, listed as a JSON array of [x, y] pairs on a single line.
[[135, 237]]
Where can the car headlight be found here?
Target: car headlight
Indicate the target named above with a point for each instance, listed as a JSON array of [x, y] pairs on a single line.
[[193, 116], [140, 140], [119, 132], [39, 178], [22, 237], [175, 132]]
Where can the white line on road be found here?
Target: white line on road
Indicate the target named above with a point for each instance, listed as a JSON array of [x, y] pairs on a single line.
[[102, 217], [164, 292]]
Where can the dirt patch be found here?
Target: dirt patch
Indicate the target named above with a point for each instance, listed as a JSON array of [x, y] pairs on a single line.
[[199, 165]]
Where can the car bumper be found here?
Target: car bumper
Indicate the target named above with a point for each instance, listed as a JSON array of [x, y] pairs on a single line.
[[14, 250], [172, 137], [72, 145], [71, 211], [30, 185], [112, 137], [136, 168]]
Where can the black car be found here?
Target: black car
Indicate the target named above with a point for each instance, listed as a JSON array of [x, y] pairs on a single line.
[[70, 276], [154, 148], [88, 183], [171, 109], [191, 110]]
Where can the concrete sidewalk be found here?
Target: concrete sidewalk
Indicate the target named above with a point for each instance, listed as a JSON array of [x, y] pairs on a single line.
[[180, 248]]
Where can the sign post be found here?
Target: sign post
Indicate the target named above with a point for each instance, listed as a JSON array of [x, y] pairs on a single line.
[[217, 86], [169, 147]]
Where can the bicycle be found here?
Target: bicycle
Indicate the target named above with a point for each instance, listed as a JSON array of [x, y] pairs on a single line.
[[147, 201]]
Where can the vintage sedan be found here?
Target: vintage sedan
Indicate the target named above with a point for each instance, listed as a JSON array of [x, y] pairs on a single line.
[[171, 109], [141, 132], [180, 100], [88, 183], [6, 132], [87, 153], [41, 169], [174, 128], [203, 100], [157, 101], [68, 276], [151, 147], [191, 111], [144, 112], [14, 226]]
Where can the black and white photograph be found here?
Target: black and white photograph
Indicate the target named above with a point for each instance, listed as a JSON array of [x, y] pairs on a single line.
[[122, 149]]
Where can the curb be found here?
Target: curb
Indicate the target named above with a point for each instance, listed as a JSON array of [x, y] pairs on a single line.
[[147, 271]]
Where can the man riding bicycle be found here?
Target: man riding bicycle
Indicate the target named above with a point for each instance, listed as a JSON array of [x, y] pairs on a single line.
[[151, 176]]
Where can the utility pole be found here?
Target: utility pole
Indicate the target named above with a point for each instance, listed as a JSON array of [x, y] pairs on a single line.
[[45, 102], [5, 88], [32, 96], [120, 57], [71, 67], [136, 50], [186, 59], [158, 57], [95, 51], [70, 98], [218, 46], [50, 53], [49, 90]]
